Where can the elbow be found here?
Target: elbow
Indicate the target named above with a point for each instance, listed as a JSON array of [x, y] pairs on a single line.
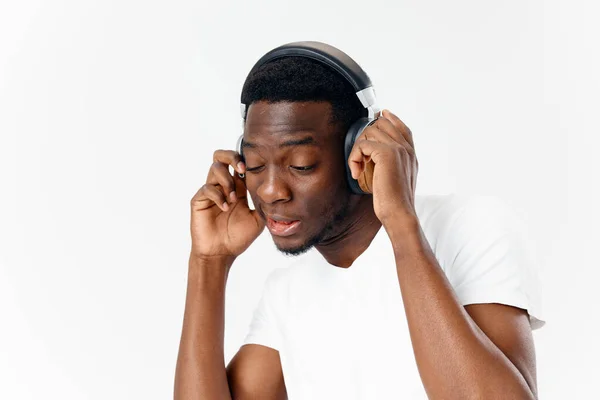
[[516, 392]]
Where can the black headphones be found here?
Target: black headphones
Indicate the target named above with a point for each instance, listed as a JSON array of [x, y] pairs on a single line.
[[346, 67]]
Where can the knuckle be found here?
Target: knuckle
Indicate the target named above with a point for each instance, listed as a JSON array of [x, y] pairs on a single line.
[[215, 165], [367, 131], [405, 149], [221, 155], [198, 194], [405, 152]]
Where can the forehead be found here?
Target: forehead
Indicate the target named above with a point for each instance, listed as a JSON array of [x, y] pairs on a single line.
[[273, 120]]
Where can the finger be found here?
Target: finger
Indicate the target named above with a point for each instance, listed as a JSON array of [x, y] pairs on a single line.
[[209, 195], [219, 175], [382, 131], [230, 157], [401, 126], [386, 126], [362, 152]]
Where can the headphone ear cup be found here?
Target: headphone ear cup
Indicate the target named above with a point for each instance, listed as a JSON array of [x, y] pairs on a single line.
[[238, 148], [355, 130]]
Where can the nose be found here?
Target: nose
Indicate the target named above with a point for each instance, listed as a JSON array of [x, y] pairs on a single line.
[[273, 188]]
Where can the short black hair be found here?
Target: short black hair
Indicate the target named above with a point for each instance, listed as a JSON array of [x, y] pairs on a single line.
[[303, 79]]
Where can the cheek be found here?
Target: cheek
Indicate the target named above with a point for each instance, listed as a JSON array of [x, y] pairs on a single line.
[[324, 199]]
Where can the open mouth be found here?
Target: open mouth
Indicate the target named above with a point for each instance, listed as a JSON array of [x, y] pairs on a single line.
[[282, 228]]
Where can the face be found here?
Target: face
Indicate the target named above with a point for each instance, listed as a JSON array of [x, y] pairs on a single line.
[[296, 172]]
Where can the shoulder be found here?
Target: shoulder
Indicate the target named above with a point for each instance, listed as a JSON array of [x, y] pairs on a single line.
[[442, 210], [452, 221], [437, 212], [485, 250]]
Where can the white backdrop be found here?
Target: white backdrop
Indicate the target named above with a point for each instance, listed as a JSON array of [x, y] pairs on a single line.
[[110, 111]]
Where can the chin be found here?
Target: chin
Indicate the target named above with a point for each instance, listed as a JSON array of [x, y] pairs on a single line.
[[292, 247]]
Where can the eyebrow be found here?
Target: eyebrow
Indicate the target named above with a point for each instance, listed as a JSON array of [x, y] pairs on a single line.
[[307, 141]]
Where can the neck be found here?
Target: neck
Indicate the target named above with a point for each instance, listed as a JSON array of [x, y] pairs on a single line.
[[354, 236]]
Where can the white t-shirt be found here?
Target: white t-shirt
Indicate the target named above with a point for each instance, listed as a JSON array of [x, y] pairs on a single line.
[[341, 333]]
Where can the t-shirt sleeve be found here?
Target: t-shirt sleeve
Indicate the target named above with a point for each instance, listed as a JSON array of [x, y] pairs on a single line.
[[492, 259], [264, 329]]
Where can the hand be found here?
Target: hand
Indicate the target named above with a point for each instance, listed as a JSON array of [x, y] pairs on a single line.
[[222, 224], [383, 158]]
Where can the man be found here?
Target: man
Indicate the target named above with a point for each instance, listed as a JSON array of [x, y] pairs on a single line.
[[392, 295]]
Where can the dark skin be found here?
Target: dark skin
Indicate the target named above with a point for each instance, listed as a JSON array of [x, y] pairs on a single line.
[[317, 196], [480, 351]]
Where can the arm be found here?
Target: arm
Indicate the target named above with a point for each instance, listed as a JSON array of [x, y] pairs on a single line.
[[484, 351], [200, 371], [222, 227], [255, 373]]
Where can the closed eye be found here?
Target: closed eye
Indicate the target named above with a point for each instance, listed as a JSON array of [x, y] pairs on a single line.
[[254, 169], [297, 168], [303, 168]]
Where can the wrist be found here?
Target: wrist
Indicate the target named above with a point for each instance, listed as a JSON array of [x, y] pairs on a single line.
[[219, 260], [404, 231], [401, 223], [209, 268]]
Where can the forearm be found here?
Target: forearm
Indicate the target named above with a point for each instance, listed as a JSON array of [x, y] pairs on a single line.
[[200, 372], [456, 360]]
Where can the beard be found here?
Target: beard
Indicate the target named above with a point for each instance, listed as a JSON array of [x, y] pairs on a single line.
[[335, 218]]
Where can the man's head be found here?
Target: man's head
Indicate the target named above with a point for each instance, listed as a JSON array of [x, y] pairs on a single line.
[[298, 113]]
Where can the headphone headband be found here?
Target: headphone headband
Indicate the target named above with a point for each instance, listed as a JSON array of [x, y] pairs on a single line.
[[330, 56]]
